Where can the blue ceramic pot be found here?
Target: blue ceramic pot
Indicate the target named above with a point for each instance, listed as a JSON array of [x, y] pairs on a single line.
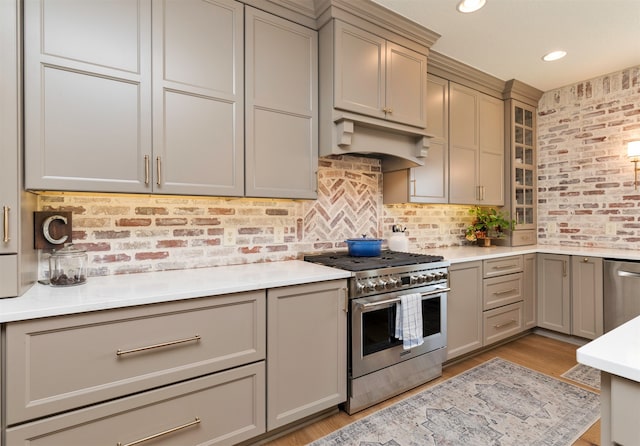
[[364, 247]]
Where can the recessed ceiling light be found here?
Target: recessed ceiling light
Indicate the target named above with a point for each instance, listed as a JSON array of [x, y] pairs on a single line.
[[470, 5], [554, 55]]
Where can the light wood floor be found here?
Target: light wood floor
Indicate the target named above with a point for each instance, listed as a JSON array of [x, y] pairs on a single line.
[[546, 355]]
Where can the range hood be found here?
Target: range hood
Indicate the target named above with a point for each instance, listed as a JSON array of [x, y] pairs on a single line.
[[398, 149]]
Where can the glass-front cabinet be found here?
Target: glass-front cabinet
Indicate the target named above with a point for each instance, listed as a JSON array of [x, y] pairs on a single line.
[[520, 165], [524, 166]]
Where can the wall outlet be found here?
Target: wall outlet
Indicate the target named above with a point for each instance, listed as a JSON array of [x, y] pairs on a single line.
[[610, 229], [229, 236], [551, 227], [278, 234]]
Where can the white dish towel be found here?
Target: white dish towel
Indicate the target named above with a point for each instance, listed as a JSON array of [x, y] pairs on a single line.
[[409, 320]]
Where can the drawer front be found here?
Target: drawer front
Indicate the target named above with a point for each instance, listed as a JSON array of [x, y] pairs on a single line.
[[220, 409], [502, 265], [523, 238], [502, 322], [503, 290], [61, 363]]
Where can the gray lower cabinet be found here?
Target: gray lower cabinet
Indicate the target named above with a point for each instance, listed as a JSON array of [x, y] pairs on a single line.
[[587, 318], [91, 375], [503, 297], [307, 342], [464, 309], [554, 292], [222, 409], [570, 294]]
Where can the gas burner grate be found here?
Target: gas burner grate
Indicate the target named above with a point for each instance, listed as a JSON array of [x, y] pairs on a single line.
[[386, 259]]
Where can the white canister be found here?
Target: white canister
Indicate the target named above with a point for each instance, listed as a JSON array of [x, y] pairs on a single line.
[[398, 242]]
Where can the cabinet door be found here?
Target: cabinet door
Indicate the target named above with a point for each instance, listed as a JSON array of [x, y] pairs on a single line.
[[491, 146], [87, 95], [529, 291], [359, 75], [463, 145], [464, 309], [554, 292], [9, 133], [586, 292], [198, 97], [406, 86], [306, 350], [282, 107], [430, 183]]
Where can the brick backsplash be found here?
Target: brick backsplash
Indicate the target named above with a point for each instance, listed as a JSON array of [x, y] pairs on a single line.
[[138, 233], [586, 195]]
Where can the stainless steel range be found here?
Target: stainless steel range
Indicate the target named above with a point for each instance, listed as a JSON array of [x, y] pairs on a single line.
[[379, 366]]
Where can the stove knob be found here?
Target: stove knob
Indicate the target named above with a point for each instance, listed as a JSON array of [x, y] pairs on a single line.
[[445, 275], [440, 275], [381, 285], [413, 280], [391, 283], [431, 277], [370, 286], [359, 287]]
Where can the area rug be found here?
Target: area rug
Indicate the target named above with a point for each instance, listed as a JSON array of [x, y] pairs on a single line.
[[497, 403], [584, 374]]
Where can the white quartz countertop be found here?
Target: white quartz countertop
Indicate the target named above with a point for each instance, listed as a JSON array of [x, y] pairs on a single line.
[[459, 254], [616, 352], [101, 293]]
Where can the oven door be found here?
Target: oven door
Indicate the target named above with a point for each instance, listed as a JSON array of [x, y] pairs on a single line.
[[373, 342]]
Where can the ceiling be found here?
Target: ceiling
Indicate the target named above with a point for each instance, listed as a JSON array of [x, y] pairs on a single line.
[[507, 38]]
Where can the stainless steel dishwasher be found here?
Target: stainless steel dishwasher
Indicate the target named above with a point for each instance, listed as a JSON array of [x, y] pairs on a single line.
[[621, 292]]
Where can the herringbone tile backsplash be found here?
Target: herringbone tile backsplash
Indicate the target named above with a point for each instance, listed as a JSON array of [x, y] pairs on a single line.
[[138, 233]]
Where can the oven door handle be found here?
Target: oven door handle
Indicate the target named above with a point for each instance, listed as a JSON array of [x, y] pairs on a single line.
[[397, 299]]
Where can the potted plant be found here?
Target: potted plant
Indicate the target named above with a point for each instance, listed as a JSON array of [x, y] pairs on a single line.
[[488, 223]]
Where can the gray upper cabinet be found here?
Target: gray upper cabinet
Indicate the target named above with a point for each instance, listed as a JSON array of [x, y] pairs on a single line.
[[281, 107], [198, 136], [18, 259], [476, 153], [87, 95], [379, 78], [149, 97], [428, 183], [90, 76]]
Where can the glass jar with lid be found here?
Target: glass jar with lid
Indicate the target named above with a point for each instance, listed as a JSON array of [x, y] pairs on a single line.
[[68, 266]]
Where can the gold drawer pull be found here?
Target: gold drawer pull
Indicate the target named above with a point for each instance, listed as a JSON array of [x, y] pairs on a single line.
[[498, 293], [195, 338], [505, 266], [146, 170], [5, 237], [498, 326], [160, 434]]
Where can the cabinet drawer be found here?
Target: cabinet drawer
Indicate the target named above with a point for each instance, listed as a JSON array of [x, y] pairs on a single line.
[[230, 407], [502, 290], [61, 363], [524, 237], [502, 322], [502, 265]]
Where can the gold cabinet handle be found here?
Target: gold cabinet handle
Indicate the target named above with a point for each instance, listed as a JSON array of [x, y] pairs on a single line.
[[512, 290], [146, 170], [159, 170], [346, 300], [160, 434], [504, 324], [505, 266], [5, 235], [195, 338], [585, 260]]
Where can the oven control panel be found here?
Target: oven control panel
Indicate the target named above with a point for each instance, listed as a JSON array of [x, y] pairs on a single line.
[[365, 284]]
